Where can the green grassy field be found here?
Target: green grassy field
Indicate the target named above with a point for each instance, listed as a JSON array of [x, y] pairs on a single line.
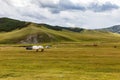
[[64, 61]]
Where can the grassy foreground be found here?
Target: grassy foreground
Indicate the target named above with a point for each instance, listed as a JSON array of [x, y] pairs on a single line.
[[66, 61]]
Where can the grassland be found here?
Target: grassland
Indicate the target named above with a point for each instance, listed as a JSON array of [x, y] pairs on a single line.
[[75, 55], [64, 61]]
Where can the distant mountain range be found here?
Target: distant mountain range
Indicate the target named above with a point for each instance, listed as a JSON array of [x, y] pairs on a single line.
[[15, 31], [114, 29]]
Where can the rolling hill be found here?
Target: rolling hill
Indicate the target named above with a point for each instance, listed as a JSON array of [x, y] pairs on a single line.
[[15, 31]]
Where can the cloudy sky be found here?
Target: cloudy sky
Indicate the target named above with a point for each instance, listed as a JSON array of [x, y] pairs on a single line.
[[88, 14]]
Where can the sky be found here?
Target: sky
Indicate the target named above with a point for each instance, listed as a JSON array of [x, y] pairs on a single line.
[[89, 14]]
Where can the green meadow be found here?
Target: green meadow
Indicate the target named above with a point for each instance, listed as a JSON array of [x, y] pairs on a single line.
[[76, 53], [64, 61]]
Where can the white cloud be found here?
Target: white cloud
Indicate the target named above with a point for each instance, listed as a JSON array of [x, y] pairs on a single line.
[[117, 2], [82, 13], [19, 3]]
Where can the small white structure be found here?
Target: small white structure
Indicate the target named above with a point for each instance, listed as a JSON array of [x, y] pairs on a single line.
[[35, 48], [47, 47]]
